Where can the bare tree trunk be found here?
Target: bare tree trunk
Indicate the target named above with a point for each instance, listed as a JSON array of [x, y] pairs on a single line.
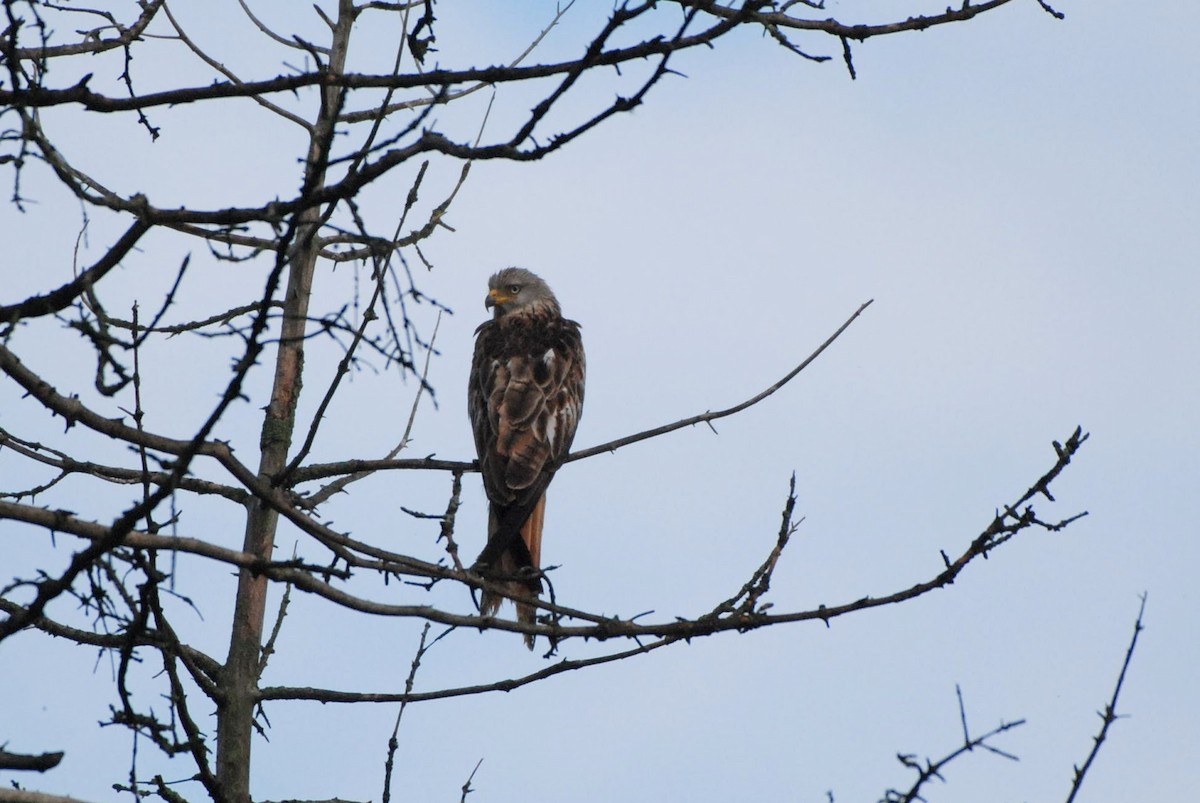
[[235, 719]]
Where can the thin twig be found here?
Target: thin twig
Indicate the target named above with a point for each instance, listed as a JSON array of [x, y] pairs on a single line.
[[269, 648], [448, 519], [612, 446], [339, 485], [1109, 715], [466, 787], [393, 742]]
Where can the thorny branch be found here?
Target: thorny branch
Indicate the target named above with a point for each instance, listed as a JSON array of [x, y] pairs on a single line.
[[930, 768], [393, 743], [1109, 715], [749, 12], [746, 600], [708, 417], [726, 616], [1003, 527], [64, 296]]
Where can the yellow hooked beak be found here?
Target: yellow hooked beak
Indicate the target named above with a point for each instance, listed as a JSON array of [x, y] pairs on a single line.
[[495, 297]]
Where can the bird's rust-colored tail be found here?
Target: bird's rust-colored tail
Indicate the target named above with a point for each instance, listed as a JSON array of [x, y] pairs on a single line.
[[526, 556], [531, 532]]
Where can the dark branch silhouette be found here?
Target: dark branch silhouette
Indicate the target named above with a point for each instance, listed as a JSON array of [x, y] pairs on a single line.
[[1109, 715], [36, 763], [931, 769]]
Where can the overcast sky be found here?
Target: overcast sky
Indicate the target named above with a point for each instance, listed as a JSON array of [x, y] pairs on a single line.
[[1018, 195]]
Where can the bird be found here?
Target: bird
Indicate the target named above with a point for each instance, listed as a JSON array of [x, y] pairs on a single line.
[[524, 398]]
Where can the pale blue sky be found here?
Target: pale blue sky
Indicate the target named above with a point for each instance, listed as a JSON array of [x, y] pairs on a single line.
[[1019, 197]]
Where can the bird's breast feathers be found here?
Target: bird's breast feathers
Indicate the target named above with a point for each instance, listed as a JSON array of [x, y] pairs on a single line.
[[526, 395]]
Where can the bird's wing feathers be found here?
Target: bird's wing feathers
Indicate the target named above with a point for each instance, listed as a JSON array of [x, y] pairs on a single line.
[[526, 394], [536, 411]]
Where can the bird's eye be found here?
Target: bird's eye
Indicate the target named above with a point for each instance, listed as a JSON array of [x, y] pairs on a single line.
[[513, 289]]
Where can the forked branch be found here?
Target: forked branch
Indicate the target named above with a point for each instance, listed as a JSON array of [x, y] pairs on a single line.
[[930, 769]]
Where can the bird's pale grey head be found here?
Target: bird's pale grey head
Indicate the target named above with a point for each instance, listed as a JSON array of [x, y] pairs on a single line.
[[516, 289]]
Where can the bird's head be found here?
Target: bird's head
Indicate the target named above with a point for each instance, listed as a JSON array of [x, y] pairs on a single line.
[[516, 289]]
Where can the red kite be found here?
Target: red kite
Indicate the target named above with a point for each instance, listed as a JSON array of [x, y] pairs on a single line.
[[525, 396]]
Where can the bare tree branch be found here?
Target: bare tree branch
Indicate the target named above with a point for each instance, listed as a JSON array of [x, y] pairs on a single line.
[[321, 470], [92, 42], [393, 744], [930, 769], [61, 298], [707, 417], [29, 763], [1003, 527], [26, 796], [746, 12], [1109, 715], [225, 71], [1015, 518]]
